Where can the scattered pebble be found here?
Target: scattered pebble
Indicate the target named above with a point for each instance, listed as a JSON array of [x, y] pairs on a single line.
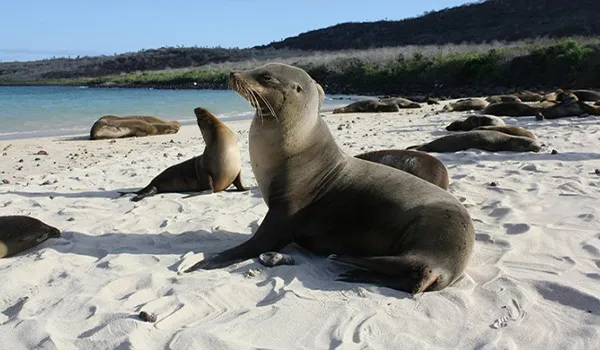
[[37, 158], [41, 153], [597, 171], [272, 259], [47, 182], [6, 182], [493, 184], [179, 155], [71, 219], [147, 317], [253, 273], [554, 151], [20, 160]]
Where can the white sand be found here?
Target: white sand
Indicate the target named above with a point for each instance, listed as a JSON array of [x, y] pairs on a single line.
[[533, 281]]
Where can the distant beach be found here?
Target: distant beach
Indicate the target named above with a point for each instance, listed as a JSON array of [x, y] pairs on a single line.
[[40, 111]]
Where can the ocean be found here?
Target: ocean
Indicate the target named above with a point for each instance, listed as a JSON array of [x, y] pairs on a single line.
[[37, 111]]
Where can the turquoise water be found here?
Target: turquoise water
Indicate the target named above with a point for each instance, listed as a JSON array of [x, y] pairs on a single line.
[[62, 110]]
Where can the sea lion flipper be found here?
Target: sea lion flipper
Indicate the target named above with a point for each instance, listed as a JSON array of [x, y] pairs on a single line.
[[272, 235], [238, 182], [146, 192], [407, 274]]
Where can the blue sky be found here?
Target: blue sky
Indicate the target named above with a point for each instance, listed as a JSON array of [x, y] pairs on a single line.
[[36, 29]]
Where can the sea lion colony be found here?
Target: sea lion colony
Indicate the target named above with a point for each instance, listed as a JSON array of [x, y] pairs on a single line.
[[417, 265]]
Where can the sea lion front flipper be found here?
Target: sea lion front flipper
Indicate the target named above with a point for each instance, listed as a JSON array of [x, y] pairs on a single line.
[[146, 192], [273, 234], [407, 274], [238, 182]]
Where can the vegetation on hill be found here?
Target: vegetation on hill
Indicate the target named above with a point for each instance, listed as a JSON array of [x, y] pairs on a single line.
[[502, 20]]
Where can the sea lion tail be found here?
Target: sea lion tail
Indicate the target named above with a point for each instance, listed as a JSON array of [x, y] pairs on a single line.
[[146, 192], [408, 274]]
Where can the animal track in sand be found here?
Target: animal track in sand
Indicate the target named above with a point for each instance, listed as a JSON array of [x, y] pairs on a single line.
[[502, 322], [486, 238], [516, 229], [586, 217], [591, 249]]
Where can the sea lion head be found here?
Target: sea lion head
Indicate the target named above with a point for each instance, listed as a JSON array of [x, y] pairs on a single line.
[[523, 144], [278, 91]]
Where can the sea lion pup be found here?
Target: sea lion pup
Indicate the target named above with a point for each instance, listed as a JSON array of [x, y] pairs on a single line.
[[474, 121], [400, 102], [503, 98], [510, 109], [466, 104], [587, 95], [111, 127], [401, 231], [486, 140], [367, 106], [510, 130], [18, 233], [420, 164], [219, 166], [528, 96]]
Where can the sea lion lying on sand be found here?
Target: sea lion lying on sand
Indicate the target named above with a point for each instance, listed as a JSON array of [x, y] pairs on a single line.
[[368, 106], [487, 140], [112, 127], [510, 130], [474, 121], [510, 109], [400, 102], [503, 98], [528, 96], [218, 167], [18, 233], [466, 104], [420, 164]]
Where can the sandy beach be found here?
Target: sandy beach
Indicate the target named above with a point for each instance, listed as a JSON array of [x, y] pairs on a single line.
[[533, 280]]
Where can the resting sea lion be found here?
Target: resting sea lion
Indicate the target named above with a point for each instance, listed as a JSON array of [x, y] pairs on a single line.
[[218, 167], [587, 95], [367, 106], [420, 164], [528, 96], [474, 121], [18, 233], [510, 130], [400, 102], [111, 127], [401, 231], [510, 109], [492, 141], [466, 104], [503, 98], [567, 108]]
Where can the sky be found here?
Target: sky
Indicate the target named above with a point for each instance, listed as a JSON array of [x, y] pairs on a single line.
[[37, 29]]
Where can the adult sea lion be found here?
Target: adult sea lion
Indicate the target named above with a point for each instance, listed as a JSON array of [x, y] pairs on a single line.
[[400, 102], [466, 104], [420, 164], [503, 98], [487, 140], [510, 109], [111, 127], [528, 96], [570, 107], [474, 121], [367, 106], [510, 130], [218, 167], [587, 95], [401, 231], [18, 233]]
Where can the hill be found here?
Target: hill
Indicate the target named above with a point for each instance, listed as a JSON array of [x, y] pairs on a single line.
[[501, 20]]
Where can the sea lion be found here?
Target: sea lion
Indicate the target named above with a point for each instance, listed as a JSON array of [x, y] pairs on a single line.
[[503, 98], [570, 107], [528, 96], [420, 164], [18, 233], [474, 121], [466, 104], [510, 109], [400, 102], [367, 106], [510, 130], [587, 95], [111, 127], [218, 167], [401, 231], [552, 96], [487, 140]]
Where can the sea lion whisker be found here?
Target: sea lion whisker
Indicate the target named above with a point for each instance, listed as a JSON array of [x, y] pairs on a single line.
[[268, 106]]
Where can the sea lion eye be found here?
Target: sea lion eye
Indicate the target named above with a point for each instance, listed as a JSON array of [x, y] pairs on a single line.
[[298, 88], [266, 78]]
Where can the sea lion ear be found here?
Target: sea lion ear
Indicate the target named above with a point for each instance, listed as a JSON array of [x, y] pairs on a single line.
[[321, 94]]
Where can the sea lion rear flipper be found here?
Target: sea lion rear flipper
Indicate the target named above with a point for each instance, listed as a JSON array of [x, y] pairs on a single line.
[[414, 147], [146, 192], [238, 182], [397, 272]]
